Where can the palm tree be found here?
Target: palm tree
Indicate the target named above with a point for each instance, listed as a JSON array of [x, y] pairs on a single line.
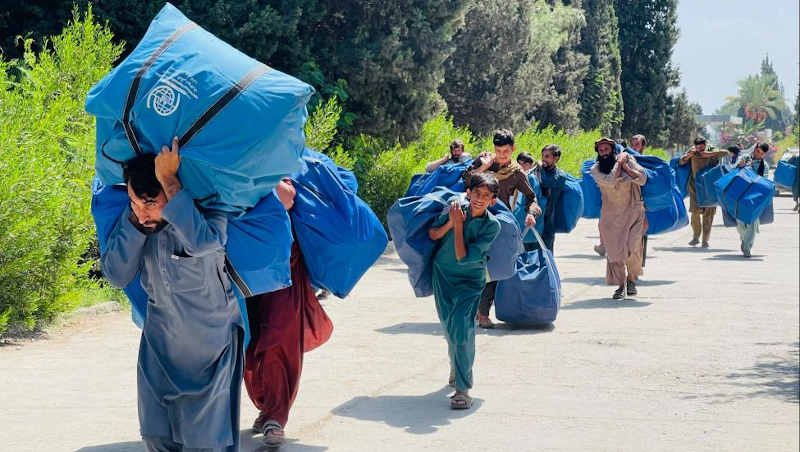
[[757, 98]]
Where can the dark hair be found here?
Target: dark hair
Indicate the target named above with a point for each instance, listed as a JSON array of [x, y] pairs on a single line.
[[764, 147], [735, 149], [140, 173], [622, 142], [487, 180], [503, 137], [456, 144], [524, 157], [553, 149], [699, 140]]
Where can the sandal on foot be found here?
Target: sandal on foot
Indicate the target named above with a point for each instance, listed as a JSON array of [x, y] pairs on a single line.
[[258, 425], [460, 401], [631, 290], [485, 322], [619, 294], [273, 434]]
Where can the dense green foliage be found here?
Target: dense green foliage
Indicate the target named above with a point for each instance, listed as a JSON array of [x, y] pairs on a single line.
[[648, 31], [601, 100], [47, 142]]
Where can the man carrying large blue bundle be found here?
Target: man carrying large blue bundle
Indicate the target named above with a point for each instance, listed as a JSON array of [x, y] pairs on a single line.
[[456, 155], [702, 217], [511, 179], [189, 372], [622, 217], [747, 232], [465, 234], [552, 180]]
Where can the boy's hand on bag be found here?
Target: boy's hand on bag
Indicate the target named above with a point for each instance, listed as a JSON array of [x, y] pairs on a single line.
[[457, 216], [286, 193], [530, 221], [167, 163]]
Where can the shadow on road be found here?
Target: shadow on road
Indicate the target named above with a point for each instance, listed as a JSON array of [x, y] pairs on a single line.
[[606, 303], [734, 257], [248, 443], [420, 415], [774, 375], [594, 257], [689, 249], [600, 281], [429, 328]]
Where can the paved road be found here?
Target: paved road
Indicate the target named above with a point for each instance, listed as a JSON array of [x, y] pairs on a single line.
[[705, 358]]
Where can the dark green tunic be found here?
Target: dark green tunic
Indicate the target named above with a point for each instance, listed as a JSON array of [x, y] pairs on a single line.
[[457, 287]]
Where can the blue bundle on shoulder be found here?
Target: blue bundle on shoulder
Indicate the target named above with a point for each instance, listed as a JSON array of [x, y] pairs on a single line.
[[745, 194], [239, 122], [507, 246], [447, 176], [592, 198]]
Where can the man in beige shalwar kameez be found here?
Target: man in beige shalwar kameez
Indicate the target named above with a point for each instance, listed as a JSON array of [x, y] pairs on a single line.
[[622, 219], [702, 217]]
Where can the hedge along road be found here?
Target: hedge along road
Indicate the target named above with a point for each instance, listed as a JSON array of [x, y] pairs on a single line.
[[705, 358]]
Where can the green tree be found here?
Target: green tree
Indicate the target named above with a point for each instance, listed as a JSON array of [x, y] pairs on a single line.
[[648, 32], [492, 79], [681, 119], [601, 99]]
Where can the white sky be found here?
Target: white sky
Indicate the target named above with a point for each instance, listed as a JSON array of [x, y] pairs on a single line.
[[722, 41]]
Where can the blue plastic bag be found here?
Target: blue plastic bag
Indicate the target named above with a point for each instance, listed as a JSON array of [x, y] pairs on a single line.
[[345, 174], [592, 198], [704, 181], [338, 233], [768, 215], [532, 297], [448, 176], [745, 194], [409, 220], [240, 123], [668, 219], [681, 175], [507, 246], [785, 174], [570, 205]]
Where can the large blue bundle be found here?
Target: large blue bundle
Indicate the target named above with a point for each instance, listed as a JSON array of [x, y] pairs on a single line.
[[409, 220], [448, 176], [507, 246], [592, 198], [259, 248], [240, 123], [670, 218], [728, 220], [704, 181], [570, 205], [520, 213], [338, 233], [785, 174], [532, 296], [345, 174], [657, 191], [745, 194], [768, 215], [681, 175]]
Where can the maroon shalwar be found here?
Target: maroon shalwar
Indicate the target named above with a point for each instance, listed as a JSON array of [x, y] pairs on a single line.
[[283, 325]]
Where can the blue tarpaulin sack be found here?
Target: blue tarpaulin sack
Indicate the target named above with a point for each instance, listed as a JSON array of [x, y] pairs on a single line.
[[657, 191], [338, 233], [570, 205], [728, 220], [704, 181], [681, 175], [532, 296], [345, 174], [592, 199], [745, 194], [409, 220], [520, 213], [785, 174], [447, 175], [507, 246], [768, 215], [239, 122], [670, 218]]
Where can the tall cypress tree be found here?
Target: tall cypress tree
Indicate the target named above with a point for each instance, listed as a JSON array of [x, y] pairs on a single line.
[[648, 32], [601, 100]]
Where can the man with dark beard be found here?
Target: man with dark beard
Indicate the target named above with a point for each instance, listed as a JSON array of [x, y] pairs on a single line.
[[702, 217], [622, 217]]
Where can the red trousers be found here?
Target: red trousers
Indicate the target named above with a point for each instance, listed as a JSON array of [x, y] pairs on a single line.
[[283, 324]]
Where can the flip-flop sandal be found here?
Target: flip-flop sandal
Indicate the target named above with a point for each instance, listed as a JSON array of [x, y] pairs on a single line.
[[273, 434], [460, 401]]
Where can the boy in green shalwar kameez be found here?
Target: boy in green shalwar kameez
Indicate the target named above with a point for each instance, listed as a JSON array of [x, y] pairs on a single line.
[[459, 276]]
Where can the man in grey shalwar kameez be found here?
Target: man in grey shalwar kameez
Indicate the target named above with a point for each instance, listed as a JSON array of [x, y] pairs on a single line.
[[190, 354]]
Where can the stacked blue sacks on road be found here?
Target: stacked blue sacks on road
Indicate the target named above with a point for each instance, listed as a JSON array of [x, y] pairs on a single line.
[[745, 194], [338, 233], [785, 174], [532, 297], [239, 122], [447, 176]]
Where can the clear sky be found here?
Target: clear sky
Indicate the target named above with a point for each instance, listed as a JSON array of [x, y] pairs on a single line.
[[722, 41]]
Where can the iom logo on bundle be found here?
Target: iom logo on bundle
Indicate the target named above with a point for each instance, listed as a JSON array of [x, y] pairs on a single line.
[[165, 97]]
